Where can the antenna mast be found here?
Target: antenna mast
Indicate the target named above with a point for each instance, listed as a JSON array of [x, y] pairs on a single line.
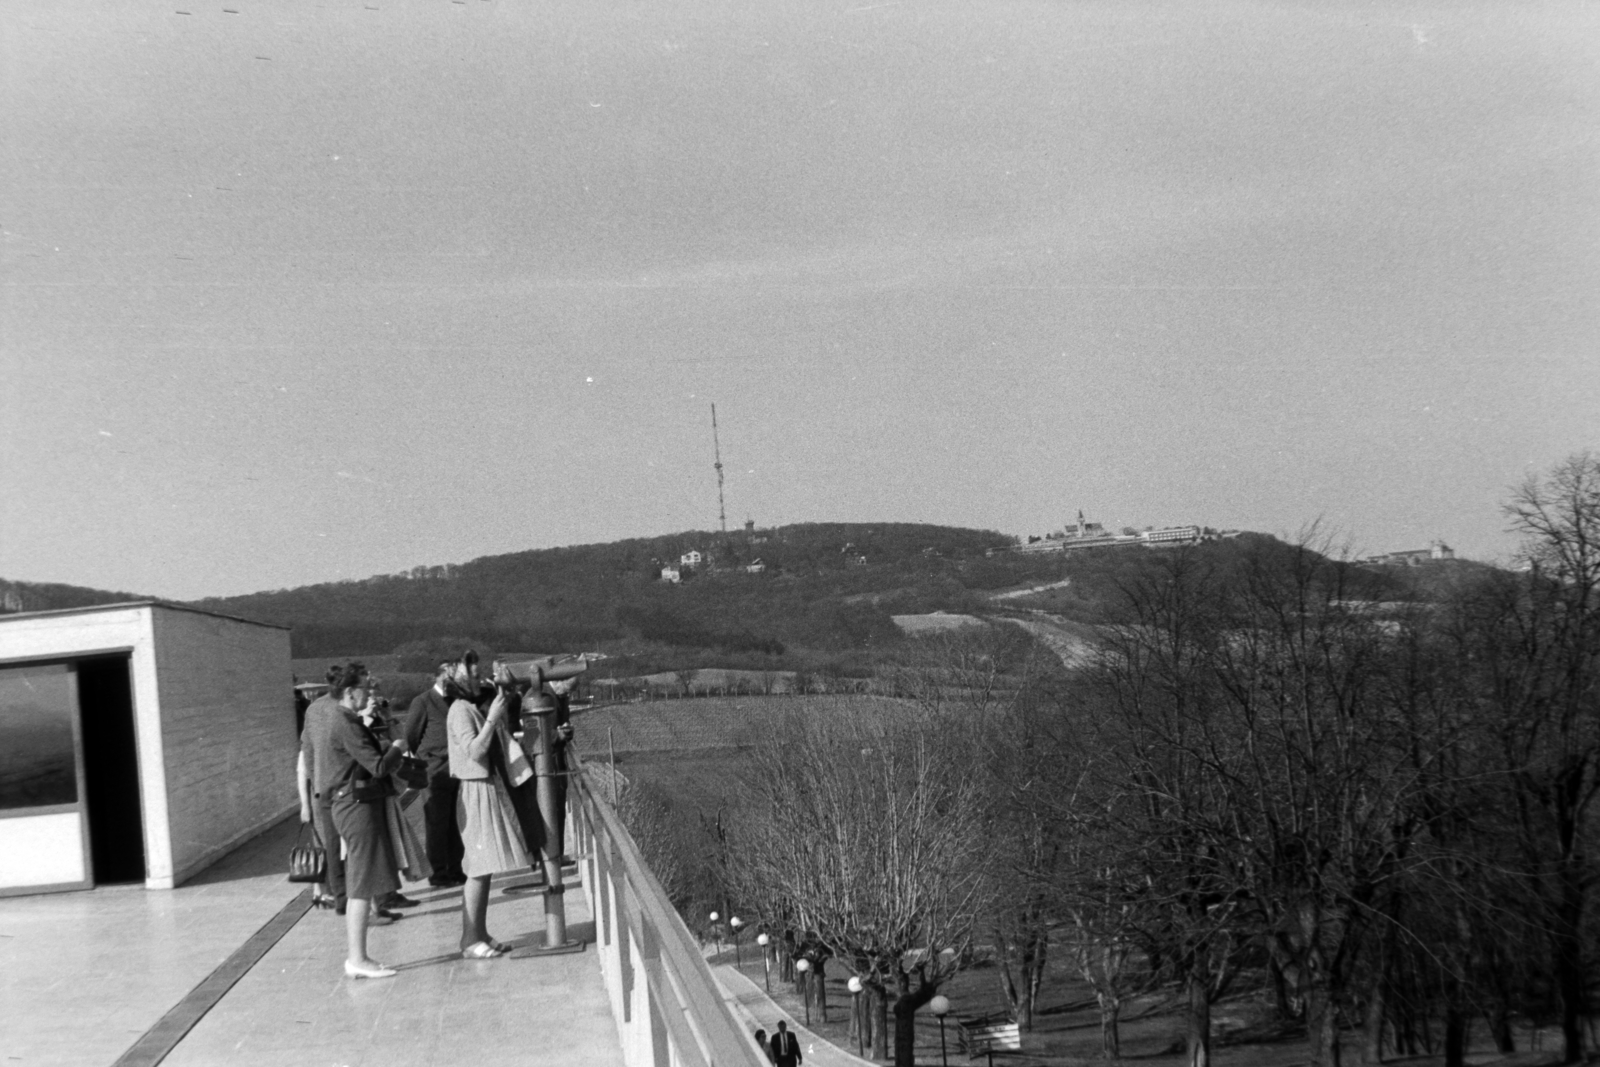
[[722, 511]]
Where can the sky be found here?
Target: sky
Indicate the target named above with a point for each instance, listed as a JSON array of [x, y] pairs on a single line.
[[295, 292]]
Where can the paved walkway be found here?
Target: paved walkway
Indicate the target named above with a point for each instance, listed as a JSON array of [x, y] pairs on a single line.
[[756, 1009], [84, 975]]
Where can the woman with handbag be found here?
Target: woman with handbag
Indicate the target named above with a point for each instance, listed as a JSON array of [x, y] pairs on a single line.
[[488, 764], [360, 789], [410, 858]]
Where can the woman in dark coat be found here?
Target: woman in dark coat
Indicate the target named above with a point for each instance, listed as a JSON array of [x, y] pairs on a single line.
[[360, 789]]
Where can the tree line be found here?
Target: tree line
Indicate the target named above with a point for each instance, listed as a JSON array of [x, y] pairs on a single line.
[[1379, 812]]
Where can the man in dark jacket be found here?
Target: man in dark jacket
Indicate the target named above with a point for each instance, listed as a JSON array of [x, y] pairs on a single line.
[[785, 1047], [429, 739]]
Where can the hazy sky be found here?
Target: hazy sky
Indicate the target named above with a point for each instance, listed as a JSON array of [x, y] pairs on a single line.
[[300, 291]]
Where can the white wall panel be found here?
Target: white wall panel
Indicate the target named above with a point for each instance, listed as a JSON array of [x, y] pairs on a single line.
[[41, 850]]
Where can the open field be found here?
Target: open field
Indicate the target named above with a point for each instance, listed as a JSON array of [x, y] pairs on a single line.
[[695, 750]]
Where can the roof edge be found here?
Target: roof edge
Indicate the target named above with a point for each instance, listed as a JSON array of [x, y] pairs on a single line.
[[123, 605]]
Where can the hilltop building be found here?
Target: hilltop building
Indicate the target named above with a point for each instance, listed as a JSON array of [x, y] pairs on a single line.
[[1084, 534], [1415, 557]]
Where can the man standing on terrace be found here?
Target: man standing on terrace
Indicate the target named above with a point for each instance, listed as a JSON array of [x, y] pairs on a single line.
[[316, 738], [429, 739]]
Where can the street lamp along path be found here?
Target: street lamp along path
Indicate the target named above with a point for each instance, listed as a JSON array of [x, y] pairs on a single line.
[[803, 967], [855, 987], [940, 1006]]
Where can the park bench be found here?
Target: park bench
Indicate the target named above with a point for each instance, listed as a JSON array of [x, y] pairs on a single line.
[[985, 1035]]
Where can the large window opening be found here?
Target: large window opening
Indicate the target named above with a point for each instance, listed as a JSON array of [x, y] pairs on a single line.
[[38, 760]]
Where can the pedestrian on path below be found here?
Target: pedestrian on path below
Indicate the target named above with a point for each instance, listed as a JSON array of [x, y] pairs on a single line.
[[785, 1047]]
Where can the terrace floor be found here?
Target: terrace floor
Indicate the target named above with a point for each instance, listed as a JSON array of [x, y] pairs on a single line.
[[130, 976]]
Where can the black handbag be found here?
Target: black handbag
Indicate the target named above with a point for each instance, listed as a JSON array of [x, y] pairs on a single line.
[[413, 772], [308, 863]]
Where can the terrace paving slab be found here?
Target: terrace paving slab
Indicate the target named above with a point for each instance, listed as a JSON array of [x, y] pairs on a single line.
[[84, 975]]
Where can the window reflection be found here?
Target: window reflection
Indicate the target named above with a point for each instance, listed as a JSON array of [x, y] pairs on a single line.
[[37, 761]]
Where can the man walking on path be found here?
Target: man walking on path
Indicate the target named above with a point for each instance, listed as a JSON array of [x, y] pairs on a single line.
[[429, 739], [785, 1047]]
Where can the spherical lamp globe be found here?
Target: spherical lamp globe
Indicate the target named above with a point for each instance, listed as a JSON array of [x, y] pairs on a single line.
[[763, 940], [715, 916], [802, 965], [854, 985], [940, 1006]]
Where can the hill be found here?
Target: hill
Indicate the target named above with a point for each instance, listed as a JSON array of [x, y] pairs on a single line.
[[54, 596], [827, 587], [824, 599]]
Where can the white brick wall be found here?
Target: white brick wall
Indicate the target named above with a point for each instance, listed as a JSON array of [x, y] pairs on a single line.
[[227, 732]]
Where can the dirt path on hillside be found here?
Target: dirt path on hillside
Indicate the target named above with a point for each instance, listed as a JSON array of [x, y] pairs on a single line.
[[1072, 649], [1015, 593]]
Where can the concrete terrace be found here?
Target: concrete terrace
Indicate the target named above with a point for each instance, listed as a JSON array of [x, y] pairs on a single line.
[[113, 975]]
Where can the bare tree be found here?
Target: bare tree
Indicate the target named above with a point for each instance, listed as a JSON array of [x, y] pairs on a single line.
[[1534, 651], [650, 819], [868, 829], [1261, 782]]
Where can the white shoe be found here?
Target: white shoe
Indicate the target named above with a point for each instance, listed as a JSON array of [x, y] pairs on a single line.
[[368, 970]]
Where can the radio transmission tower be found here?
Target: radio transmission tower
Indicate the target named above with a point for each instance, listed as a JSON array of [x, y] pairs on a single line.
[[722, 511]]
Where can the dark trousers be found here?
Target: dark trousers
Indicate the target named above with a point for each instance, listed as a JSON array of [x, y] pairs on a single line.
[[525, 802], [322, 815], [558, 847], [445, 850]]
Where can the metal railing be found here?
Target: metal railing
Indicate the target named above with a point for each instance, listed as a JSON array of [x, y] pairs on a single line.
[[670, 1012]]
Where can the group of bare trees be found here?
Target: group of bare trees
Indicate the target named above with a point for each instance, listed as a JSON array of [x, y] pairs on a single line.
[[1383, 808], [892, 896], [1377, 808]]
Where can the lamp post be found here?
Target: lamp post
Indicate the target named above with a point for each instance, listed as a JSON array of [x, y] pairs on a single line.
[[766, 961], [854, 985], [940, 1007], [716, 938], [803, 966], [735, 922]]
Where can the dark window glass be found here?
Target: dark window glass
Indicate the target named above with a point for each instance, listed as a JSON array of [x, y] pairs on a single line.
[[37, 764]]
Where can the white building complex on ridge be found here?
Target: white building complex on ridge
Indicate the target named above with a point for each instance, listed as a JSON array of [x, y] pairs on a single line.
[[1094, 535]]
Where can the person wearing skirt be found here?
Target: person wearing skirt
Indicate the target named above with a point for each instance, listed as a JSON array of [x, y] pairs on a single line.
[[488, 764]]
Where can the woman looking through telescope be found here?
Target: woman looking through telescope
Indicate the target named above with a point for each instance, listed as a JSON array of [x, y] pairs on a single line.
[[488, 764]]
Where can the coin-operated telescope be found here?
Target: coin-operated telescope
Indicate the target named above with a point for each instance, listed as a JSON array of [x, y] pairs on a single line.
[[546, 730]]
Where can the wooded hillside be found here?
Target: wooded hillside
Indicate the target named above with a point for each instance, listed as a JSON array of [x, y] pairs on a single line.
[[825, 599]]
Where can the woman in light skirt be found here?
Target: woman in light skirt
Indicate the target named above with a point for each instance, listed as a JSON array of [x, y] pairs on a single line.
[[488, 764]]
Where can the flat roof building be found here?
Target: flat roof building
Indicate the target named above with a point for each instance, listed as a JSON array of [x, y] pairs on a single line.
[[139, 742]]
